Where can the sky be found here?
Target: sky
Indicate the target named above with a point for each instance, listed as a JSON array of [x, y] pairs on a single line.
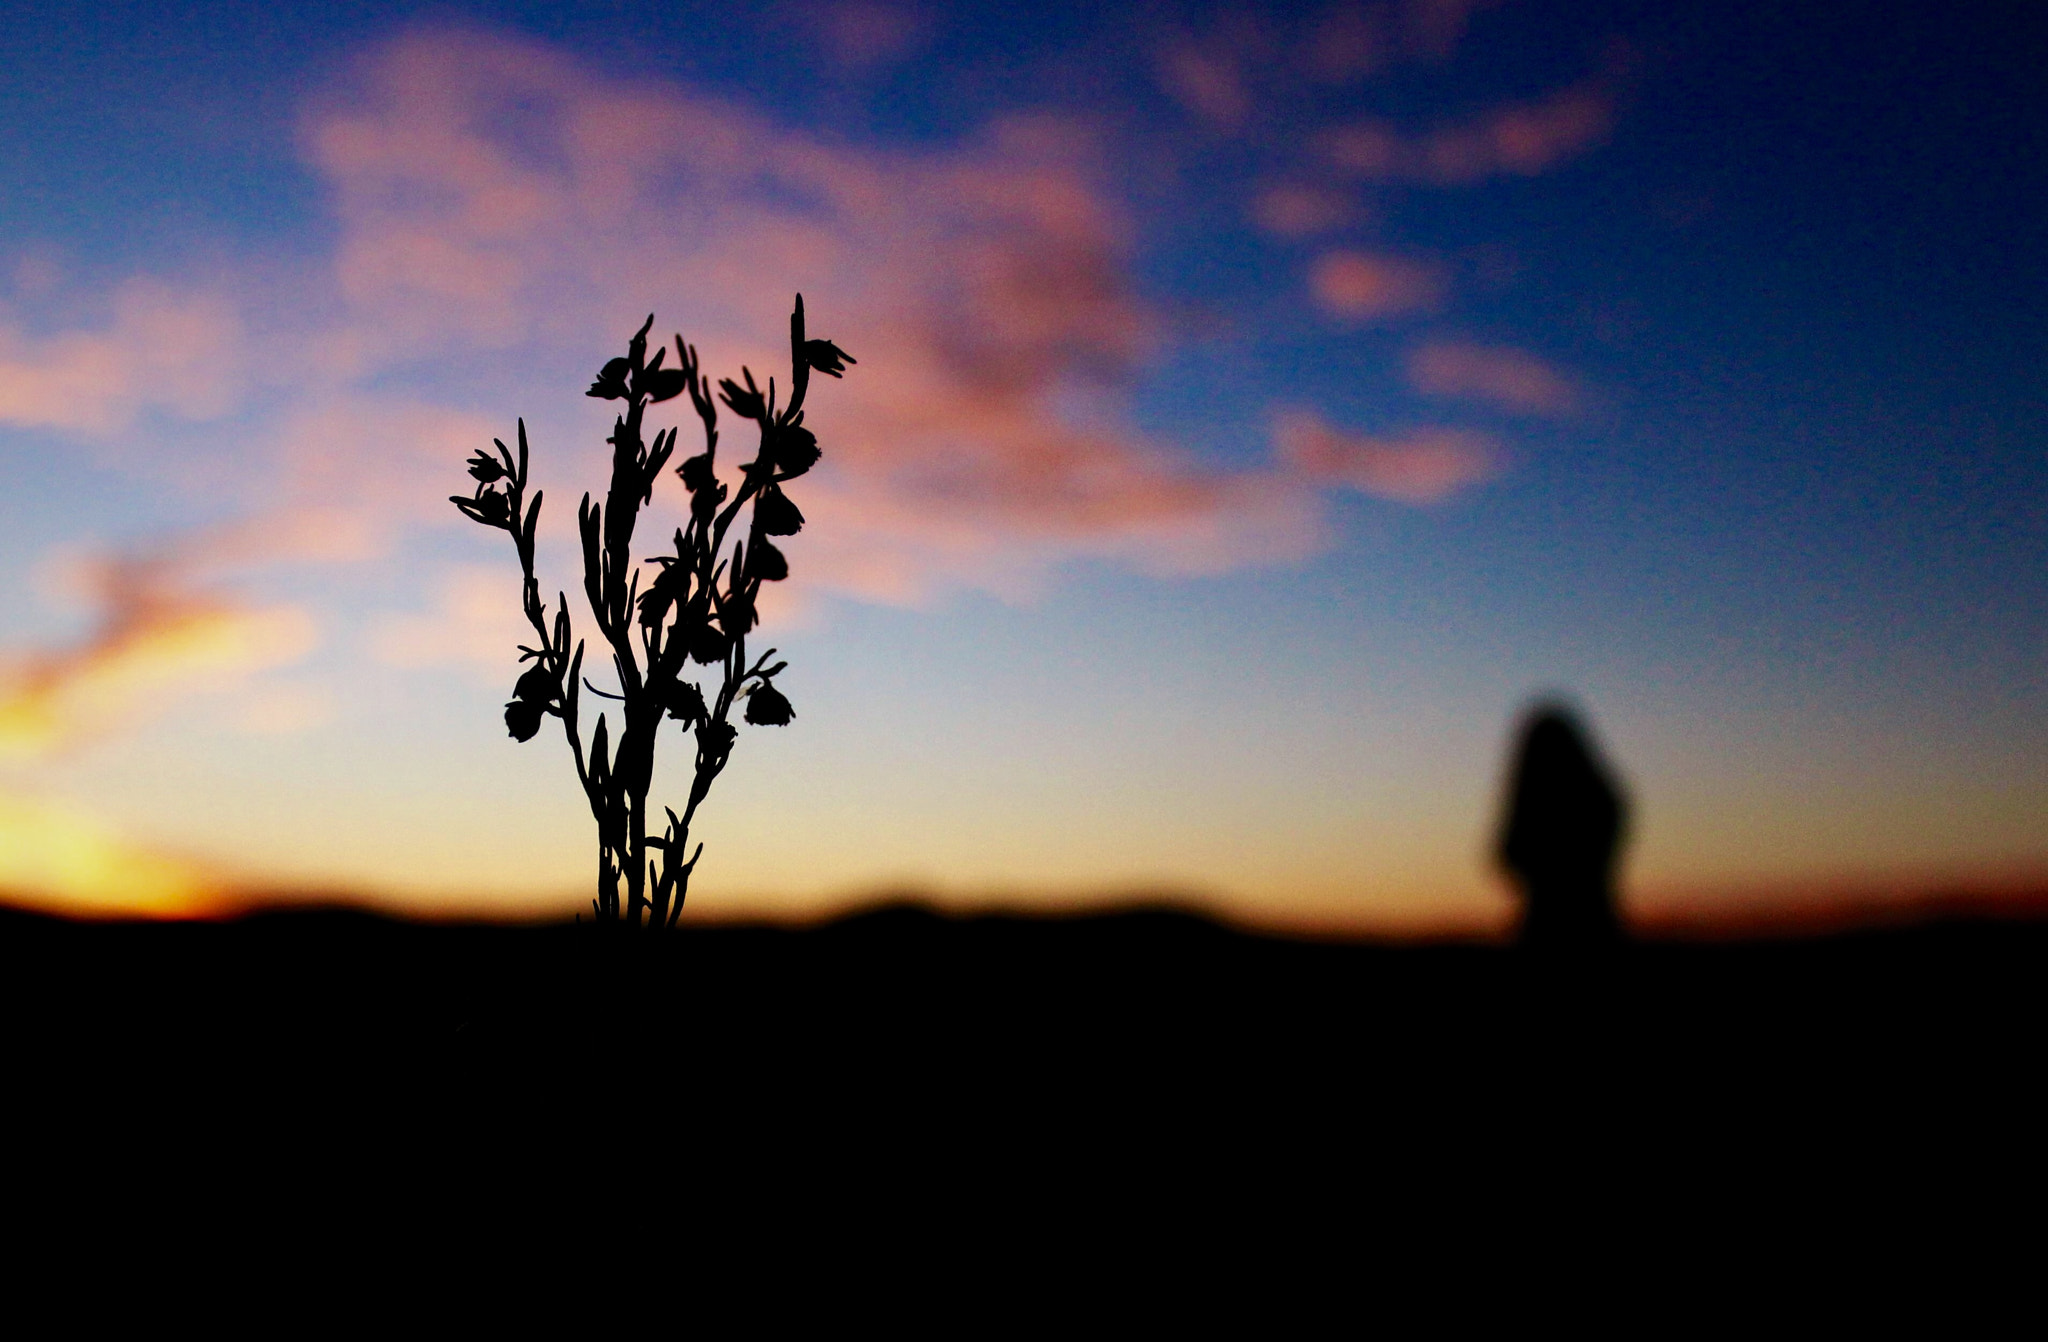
[[1256, 410]]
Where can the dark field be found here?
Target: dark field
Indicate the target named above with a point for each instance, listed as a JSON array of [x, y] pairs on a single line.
[[1116, 1082], [1125, 1005]]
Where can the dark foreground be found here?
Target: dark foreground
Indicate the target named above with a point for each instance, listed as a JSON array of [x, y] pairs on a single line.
[[1065, 1100], [1122, 1078], [1119, 1003]]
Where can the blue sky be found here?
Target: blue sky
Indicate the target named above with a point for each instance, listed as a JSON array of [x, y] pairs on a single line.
[[1258, 409]]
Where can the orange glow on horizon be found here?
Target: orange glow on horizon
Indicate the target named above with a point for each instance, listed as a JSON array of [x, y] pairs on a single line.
[[60, 861]]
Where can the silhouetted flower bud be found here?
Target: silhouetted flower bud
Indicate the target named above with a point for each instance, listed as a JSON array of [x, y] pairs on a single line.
[[522, 719], [827, 357], [686, 703], [486, 468], [538, 685], [766, 562], [662, 384], [743, 400], [611, 381], [696, 473], [766, 707], [492, 509], [794, 450], [775, 515], [707, 645], [737, 615]]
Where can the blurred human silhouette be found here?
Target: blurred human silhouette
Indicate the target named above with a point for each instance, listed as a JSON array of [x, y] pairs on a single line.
[[1564, 826]]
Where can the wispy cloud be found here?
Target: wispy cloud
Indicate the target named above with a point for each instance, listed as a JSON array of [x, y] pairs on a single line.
[[1513, 140], [1371, 286], [1416, 466], [156, 639], [1352, 41], [475, 621], [503, 206], [1207, 82], [159, 349], [1511, 379], [355, 468], [494, 192]]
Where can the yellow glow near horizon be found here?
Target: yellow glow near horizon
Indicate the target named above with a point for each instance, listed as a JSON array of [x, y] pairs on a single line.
[[61, 861]]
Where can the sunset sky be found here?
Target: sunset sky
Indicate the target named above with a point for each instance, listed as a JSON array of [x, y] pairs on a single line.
[[1255, 410]]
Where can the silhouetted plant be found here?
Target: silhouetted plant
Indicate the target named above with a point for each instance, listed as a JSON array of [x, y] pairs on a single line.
[[697, 609]]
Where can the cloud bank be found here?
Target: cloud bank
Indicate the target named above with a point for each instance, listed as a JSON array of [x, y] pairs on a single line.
[[502, 206], [494, 193]]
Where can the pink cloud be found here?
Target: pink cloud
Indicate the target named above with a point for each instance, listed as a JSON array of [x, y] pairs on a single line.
[[1207, 83], [1350, 41], [495, 194], [1508, 378], [1369, 286], [162, 349], [475, 621], [1518, 140], [504, 208], [1418, 466], [351, 467]]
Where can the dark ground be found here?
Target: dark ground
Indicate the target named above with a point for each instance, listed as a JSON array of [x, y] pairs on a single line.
[[1089, 1086], [1126, 1004], [899, 1112]]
